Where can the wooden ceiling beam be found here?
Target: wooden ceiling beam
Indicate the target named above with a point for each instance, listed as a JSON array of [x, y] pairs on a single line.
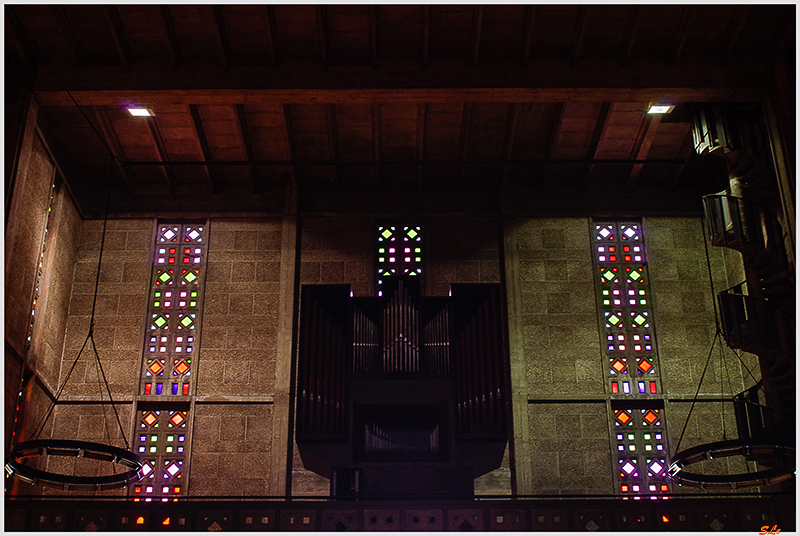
[[597, 133], [511, 130], [118, 33], [477, 23], [422, 123], [374, 26], [322, 27], [732, 32], [163, 156], [629, 37], [377, 138], [112, 140], [333, 138], [60, 97], [290, 145], [578, 35], [463, 142], [681, 33], [273, 51], [642, 145], [65, 27], [221, 34], [211, 172], [554, 130], [172, 39], [425, 28], [527, 40], [247, 142]]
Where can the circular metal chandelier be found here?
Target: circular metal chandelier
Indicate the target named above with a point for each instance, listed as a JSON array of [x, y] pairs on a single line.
[[736, 447], [79, 449]]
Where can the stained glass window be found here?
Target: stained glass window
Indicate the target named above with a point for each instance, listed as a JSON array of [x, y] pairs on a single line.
[[173, 325], [630, 355], [40, 265], [399, 252], [161, 439]]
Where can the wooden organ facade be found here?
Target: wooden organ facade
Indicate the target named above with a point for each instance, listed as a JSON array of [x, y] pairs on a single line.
[[402, 393]]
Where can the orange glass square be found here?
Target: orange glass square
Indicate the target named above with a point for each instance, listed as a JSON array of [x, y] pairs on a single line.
[[645, 365], [150, 419], [650, 417], [155, 367], [623, 417], [664, 487], [618, 366], [182, 367], [177, 419]]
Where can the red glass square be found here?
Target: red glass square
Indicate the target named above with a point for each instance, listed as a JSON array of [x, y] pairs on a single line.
[[615, 387], [650, 417], [623, 417], [150, 419]]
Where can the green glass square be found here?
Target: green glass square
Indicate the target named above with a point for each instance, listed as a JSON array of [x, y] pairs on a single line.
[[386, 233], [412, 233], [154, 449], [186, 321], [164, 277], [193, 294], [641, 292], [631, 437], [381, 250], [381, 259], [193, 304], [170, 438], [639, 319], [156, 304], [648, 447], [609, 275], [170, 448], [647, 437], [417, 250], [635, 275], [631, 447], [154, 438], [418, 259], [160, 321], [606, 302], [613, 320], [605, 292], [190, 276], [158, 294]]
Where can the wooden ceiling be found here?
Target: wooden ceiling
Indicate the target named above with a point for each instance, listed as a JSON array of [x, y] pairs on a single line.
[[343, 100]]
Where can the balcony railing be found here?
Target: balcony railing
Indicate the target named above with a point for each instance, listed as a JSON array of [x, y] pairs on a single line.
[[754, 325], [745, 226]]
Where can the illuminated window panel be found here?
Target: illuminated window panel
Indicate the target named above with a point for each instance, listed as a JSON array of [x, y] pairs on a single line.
[[162, 444], [399, 252], [40, 267], [170, 353], [630, 353]]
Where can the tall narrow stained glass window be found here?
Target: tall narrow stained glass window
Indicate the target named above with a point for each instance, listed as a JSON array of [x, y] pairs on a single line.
[[630, 358], [170, 348], [399, 252]]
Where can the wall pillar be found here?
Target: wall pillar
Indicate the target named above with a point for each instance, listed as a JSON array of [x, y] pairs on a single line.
[[282, 425]]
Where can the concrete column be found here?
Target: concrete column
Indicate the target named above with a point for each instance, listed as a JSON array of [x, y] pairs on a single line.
[[282, 426], [521, 480]]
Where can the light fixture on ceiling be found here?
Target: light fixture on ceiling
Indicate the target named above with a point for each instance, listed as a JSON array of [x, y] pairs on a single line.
[[138, 111], [659, 108]]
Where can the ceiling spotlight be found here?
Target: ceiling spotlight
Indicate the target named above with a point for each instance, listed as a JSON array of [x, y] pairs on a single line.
[[141, 112], [656, 108]]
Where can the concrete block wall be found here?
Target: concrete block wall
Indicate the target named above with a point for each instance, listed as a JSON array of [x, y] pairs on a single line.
[[240, 309], [23, 240], [559, 318], [565, 448], [232, 422]]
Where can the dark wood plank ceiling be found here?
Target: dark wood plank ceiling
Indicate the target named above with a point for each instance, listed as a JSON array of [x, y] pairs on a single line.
[[335, 94]]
